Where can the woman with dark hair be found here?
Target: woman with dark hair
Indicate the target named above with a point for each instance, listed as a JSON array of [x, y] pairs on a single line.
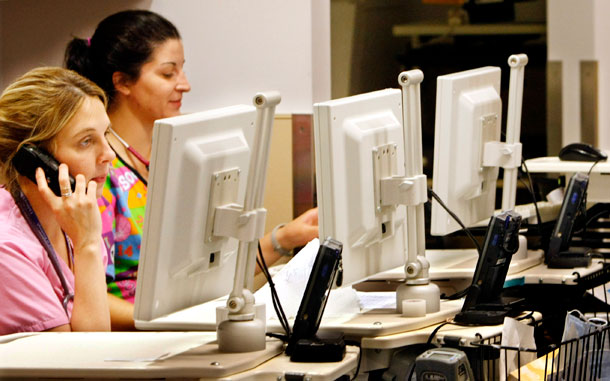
[[137, 57]]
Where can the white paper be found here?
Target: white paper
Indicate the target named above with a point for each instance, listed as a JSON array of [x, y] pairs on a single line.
[[519, 335], [375, 300], [290, 283]]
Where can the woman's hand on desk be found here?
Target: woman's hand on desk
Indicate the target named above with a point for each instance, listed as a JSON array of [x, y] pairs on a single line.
[[299, 231], [295, 233]]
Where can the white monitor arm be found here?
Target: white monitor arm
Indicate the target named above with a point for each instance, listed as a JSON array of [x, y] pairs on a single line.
[[417, 284], [241, 332]]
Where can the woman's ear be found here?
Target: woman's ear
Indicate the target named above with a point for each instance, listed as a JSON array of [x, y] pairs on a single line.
[[121, 82]]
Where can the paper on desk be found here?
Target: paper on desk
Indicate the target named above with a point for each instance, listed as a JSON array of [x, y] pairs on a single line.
[[378, 299], [518, 335], [290, 283], [90, 348]]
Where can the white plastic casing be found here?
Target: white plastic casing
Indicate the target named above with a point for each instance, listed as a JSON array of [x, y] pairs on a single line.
[[176, 269], [468, 115], [347, 132]]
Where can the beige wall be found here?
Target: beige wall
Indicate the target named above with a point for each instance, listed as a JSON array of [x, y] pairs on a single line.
[[278, 189], [30, 38], [35, 32], [234, 48]]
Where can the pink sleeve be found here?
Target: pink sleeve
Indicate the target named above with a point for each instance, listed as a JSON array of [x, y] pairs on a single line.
[[29, 301]]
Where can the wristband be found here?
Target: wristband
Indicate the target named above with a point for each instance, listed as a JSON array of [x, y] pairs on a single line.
[[276, 245]]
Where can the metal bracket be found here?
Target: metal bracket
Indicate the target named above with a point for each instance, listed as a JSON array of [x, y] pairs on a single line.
[[409, 191], [384, 166], [231, 221], [224, 189], [390, 189], [505, 155]]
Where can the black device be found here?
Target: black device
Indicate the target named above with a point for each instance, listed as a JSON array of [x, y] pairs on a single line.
[[29, 157], [304, 345], [581, 152], [484, 304], [559, 254]]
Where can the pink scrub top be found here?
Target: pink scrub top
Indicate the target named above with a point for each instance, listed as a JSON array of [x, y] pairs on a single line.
[[30, 290]]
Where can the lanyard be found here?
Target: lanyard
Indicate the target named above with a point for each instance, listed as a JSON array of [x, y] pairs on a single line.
[[131, 149], [30, 216]]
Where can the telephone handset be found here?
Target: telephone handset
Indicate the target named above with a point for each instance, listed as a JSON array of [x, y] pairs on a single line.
[[29, 157]]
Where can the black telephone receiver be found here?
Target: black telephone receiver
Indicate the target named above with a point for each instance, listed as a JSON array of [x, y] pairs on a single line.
[[29, 157]]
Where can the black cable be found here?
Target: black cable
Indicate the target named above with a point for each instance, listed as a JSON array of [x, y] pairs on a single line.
[[583, 232], [427, 344], [435, 331], [275, 300], [284, 338], [594, 164], [538, 223], [456, 218], [593, 215], [533, 193], [462, 293], [584, 202], [457, 295], [274, 296]]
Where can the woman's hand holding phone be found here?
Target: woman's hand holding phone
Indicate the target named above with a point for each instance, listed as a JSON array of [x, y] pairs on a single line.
[[79, 217], [76, 212]]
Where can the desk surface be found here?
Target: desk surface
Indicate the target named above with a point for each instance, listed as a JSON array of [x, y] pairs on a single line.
[[461, 263], [146, 355], [374, 322], [599, 182], [552, 164], [467, 335], [541, 274], [458, 263]]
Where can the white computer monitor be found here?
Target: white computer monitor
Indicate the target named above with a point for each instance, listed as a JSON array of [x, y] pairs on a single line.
[[359, 139], [198, 162], [468, 116]]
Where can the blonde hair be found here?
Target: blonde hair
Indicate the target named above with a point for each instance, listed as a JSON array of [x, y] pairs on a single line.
[[35, 107]]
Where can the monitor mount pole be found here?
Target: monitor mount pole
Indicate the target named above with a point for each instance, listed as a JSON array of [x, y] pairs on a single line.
[[243, 331], [417, 284], [517, 64]]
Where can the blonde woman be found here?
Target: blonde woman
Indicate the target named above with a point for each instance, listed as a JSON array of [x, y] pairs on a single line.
[[52, 258]]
